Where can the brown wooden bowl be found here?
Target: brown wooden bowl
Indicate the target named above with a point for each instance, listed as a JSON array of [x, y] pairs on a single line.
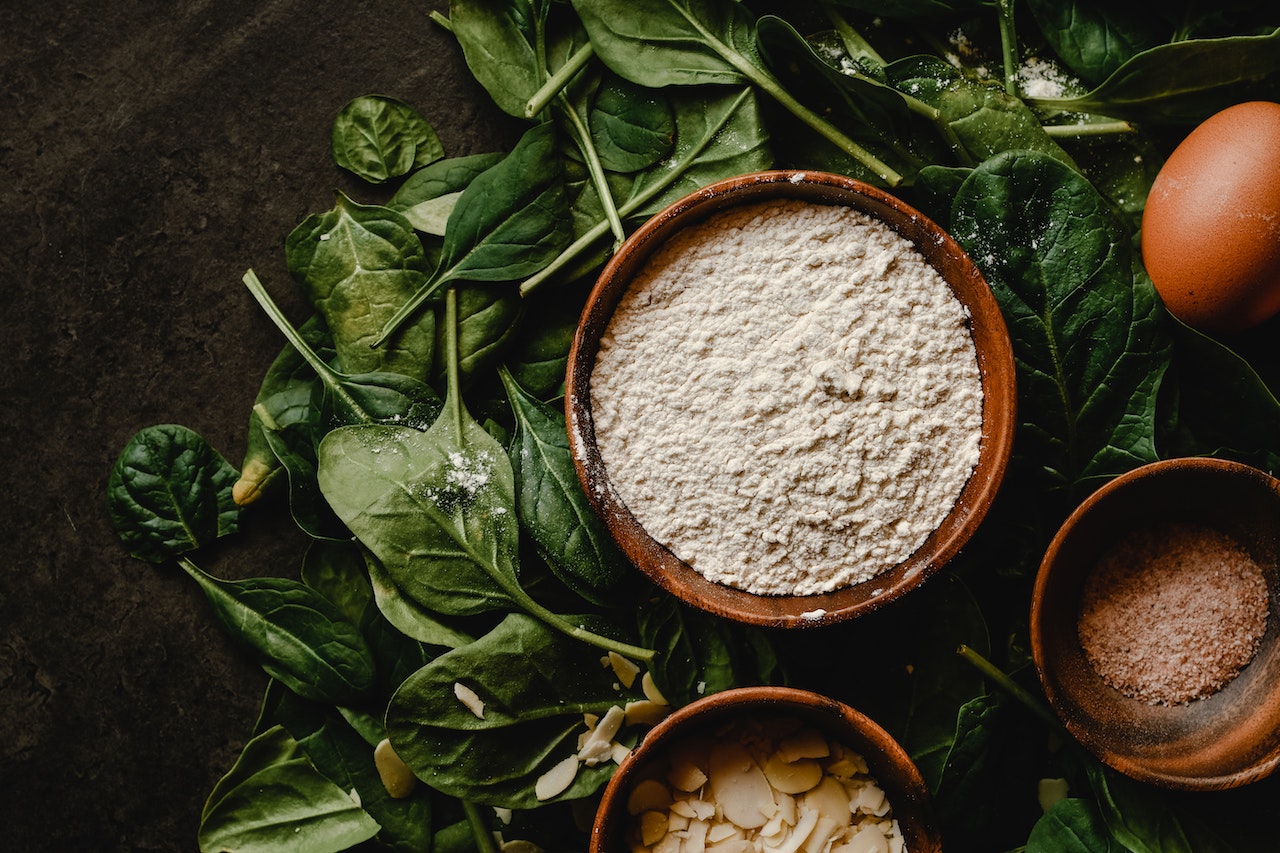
[[1224, 740], [995, 363], [887, 761]]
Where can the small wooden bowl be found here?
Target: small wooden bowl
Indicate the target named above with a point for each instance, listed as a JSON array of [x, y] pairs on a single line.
[[888, 762], [1224, 740], [995, 363]]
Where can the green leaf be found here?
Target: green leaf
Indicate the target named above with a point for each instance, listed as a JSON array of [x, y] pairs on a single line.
[[1185, 82], [297, 635], [1144, 822], [428, 196], [1094, 39], [409, 617], [433, 507], [170, 492], [1087, 339], [497, 39], [488, 319], [336, 570], [378, 138], [632, 127], [273, 799], [699, 654], [538, 358], [358, 264], [535, 684], [1072, 826], [552, 505]]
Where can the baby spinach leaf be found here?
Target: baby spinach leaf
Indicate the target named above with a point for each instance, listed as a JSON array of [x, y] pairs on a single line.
[[699, 654], [1221, 406], [170, 492], [510, 222], [551, 504], [1094, 39], [1072, 825], [970, 771], [428, 196], [409, 617], [535, 685], [632, 127], [497, 38], [345, 758], [1141, 821], [274, 799], [294, 447], [1184, 82], [336, 570], [297, 635], [658, 43], [488, 318], [539, 357], [1087, 340], [358, 264], [984, 118], [378, 138]]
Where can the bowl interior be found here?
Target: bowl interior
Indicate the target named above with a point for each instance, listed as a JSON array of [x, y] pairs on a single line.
[[887, 760], [995, 363], [1227, 739]]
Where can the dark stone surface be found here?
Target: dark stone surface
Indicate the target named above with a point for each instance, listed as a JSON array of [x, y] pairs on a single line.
[[150, 153]]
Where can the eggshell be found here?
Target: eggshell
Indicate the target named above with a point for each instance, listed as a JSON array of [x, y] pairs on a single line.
[[1211, 228]]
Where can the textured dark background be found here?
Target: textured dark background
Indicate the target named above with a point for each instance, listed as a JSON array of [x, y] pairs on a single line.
[[150, 153]]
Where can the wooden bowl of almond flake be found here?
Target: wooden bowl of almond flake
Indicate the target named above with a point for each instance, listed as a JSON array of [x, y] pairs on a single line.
[[790, 398], [1154, 624], [770, 768]]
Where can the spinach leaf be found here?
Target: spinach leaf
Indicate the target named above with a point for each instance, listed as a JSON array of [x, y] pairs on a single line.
[[632, 127], [409, 617], [336, 570], [497, 38], [658, 43], [345, 758], [1087, 339], [358, 263], [699, 654], [378, 138], [984, 119], [972, 768], [1184, 82], [170, 492], [488, 319], [1093, 39], [539, 357], [274, 799], [1143, 822], [428, 196], [510, 222], [1072, 825], [1221, 406], [535, 685], [552, 506], [298, 636]]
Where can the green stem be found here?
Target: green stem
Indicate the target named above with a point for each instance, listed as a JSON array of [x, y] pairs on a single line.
[[441, 19], [479, 829], [453, 396], [1094, 128], [1008, 46], [583, 137], [1010, 686], [330, 377], [854, 44], [557, 81]]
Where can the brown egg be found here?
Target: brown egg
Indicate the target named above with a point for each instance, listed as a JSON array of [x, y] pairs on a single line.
[[1211, 228]]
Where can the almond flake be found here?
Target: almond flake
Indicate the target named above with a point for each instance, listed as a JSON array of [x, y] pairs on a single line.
[[625, 670], [557, 779], [468, 697]]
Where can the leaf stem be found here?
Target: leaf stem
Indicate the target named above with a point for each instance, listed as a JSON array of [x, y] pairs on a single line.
[[441, 19], [453, 394], [1008, 45], [854, 44], [557, 81], [331, 378], [583, 137], [1010, 686], [479, 829], [1092, 128]]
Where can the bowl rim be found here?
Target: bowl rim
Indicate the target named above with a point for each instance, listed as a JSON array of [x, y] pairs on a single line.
[[1098, 745], [910, 798], [995, 357]]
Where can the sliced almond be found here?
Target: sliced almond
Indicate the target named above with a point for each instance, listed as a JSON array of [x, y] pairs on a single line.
[[468, 697], [644, 712], [648, 795], [806, 743], [738, 786], [829, 799], [396, 776], [625, 670], [651, 691], [653, 825], [685, 775], [557, 779], [792, 777]]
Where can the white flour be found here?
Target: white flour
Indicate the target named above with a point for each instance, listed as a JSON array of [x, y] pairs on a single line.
[[788, 398]]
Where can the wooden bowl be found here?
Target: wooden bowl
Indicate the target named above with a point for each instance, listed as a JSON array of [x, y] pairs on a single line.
[[1224, 740], [995, 363], [887, 761]]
